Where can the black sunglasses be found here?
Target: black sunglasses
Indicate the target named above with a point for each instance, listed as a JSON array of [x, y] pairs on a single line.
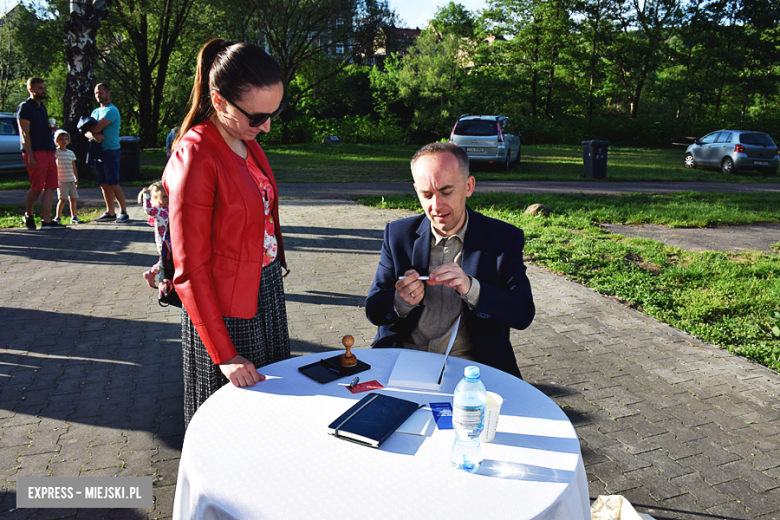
[[257, 119]]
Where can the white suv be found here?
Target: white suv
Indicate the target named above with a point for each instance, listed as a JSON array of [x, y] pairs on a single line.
[[487, 139], [10, 148]]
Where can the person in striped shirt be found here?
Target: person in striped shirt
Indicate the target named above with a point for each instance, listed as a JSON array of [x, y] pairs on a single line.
[[66, 175]]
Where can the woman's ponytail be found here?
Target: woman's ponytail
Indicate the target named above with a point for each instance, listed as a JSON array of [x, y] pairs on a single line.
[[232, 69], [200, 97]]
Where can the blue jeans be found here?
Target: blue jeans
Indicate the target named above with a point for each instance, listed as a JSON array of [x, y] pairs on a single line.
[[107, 167]]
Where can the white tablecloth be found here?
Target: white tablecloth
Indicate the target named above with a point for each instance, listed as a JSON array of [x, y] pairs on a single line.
[[263, 452]]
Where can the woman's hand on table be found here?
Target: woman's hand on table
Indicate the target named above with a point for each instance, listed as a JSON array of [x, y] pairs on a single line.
[[241, 372]]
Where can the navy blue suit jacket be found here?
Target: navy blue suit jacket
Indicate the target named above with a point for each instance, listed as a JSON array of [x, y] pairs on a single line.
[[492, 253]]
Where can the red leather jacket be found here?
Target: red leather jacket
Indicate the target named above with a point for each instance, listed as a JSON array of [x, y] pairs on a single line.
[[217, 228]]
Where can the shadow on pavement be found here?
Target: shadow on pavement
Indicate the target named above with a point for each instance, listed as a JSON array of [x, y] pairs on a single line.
[[113, 373], [338, 240], [99, 245], [327, 298]]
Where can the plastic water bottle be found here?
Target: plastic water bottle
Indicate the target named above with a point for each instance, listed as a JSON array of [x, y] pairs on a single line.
[[468, 416]]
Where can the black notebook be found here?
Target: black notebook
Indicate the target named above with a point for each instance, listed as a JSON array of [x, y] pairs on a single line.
[[372, 419]]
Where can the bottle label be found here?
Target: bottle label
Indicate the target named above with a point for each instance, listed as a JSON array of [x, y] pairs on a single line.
[[468, 417]]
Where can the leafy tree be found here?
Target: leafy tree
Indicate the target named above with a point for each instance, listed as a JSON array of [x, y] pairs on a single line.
[[635, 46], [594, 22], [388, 103], [34, 49], [348, 93], [540, 32], [429, 83], [454, 19], [138, 45], [13, 65], [299, 33]]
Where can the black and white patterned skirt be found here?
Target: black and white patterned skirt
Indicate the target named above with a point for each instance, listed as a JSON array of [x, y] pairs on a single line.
[[262, 340]]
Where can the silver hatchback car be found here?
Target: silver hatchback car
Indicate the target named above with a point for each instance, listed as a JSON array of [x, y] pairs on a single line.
[[732, 150], [487, 139], [10, 148]]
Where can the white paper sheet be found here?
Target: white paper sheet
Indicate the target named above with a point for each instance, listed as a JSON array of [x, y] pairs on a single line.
[[418, 423]]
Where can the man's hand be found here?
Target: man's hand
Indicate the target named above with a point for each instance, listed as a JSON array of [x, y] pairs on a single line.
[[31, 162], [451, 275], [241, 372], [98, 138], [410, 289]]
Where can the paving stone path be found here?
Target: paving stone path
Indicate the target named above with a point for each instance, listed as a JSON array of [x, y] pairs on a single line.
[[738, 239], [90, 370]]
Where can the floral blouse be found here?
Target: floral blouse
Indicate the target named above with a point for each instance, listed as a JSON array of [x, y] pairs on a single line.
[[158, 217], [267, 190]]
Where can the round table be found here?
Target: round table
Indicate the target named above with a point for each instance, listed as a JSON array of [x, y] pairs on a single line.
[[264, 452]]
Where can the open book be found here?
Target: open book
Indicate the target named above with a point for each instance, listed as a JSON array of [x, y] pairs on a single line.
[[412, 370]]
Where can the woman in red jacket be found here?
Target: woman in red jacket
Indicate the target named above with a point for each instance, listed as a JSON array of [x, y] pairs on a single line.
[[224, 222]]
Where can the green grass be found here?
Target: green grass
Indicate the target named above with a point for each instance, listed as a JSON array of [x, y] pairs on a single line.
[[718, 297], [340, 163], [11, 215], [152, 166], [564, 163], [356, 162], [373, 163]]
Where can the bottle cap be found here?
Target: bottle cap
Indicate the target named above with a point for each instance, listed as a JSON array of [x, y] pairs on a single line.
[[471, 372]]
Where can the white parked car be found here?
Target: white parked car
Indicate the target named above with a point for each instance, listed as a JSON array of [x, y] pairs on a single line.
[[487, 139], [10, 146]]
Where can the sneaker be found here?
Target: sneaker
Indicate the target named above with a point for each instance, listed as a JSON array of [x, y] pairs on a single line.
[[75, 220], [106, 217], [57, 220], [51, 225], [29, 221], [123, 218]]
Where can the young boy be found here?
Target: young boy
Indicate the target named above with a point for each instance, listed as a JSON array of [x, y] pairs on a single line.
[[67, 176]]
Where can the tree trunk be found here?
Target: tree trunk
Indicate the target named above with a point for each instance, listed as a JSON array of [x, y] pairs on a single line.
[[687, 82], [701, 94], [534, 76], [591, 86], [551, 78], [719, 96], [80, 32], [639, 86]]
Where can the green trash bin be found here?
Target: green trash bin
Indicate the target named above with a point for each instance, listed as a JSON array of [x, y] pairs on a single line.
[[594, 158], [130, 159]]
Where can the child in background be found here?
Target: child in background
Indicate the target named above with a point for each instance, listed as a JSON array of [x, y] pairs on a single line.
[[156, 206], [66, 175]]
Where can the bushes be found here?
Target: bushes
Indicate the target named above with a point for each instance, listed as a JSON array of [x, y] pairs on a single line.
[[642, 132], [619, 131], [350, 129]]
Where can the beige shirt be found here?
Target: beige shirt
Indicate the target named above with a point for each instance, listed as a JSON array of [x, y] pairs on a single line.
[[442, 305]]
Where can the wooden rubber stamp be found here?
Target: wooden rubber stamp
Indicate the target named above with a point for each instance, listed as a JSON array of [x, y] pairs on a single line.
[[348, 359]]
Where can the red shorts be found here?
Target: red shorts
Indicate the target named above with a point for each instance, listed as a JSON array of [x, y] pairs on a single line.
[[44, 175]]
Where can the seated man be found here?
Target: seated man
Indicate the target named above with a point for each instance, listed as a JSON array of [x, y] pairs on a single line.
[[475, 265]]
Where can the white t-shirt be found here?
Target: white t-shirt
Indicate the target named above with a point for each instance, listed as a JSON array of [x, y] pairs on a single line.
[[65, 160]]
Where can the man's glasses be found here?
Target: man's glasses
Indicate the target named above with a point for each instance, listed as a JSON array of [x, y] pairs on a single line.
[[257, 119]]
